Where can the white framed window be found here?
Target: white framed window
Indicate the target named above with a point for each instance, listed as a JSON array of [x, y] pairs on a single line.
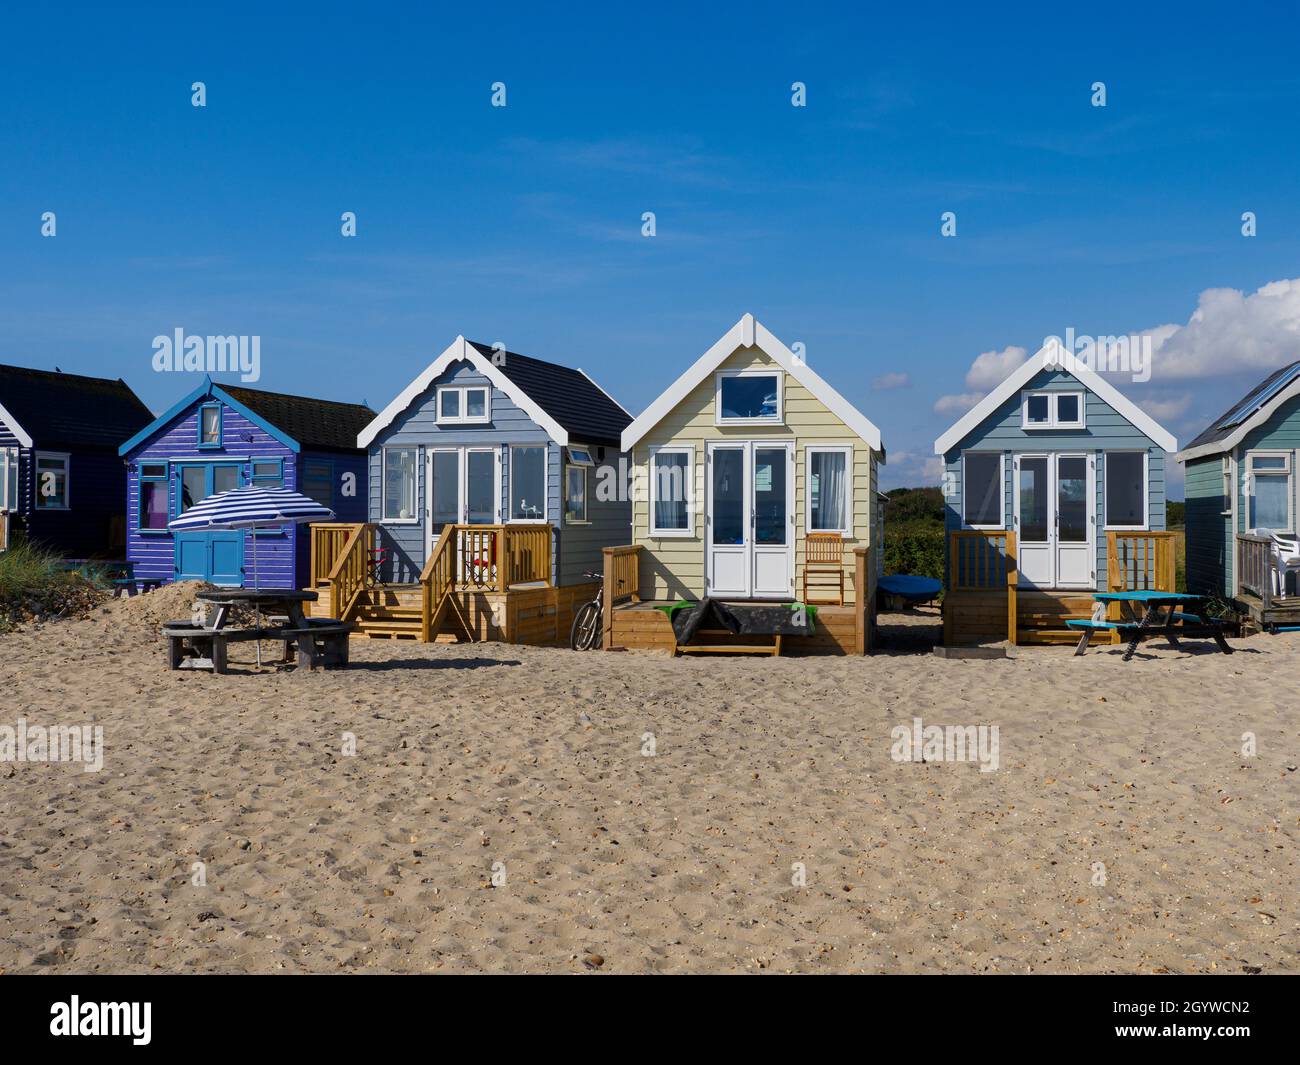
[[748, 397], [52, 480], [672, 473], [1052, 410], [575, 495], [9, 479], [580, 455], [1269, 491], [528, 483], [1227, 486], [828, 488], [463, 405], [1127, 490], [983, 490], [399, 486]]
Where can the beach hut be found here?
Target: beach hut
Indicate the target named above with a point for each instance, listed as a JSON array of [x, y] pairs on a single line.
[[221, 437], [494, 485], [1241, 500], [750, 471], [1054, 488], [61, 483]]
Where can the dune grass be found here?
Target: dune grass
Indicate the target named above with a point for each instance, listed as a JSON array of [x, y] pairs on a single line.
[[33, 585]]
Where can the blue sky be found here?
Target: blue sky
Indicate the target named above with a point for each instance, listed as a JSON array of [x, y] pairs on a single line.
[[523, 224]]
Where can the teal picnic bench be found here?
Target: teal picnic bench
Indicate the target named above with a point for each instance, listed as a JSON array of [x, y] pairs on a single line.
[[1152, 624]]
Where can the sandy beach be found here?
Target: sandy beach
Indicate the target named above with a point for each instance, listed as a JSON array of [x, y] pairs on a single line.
[[516, 809]]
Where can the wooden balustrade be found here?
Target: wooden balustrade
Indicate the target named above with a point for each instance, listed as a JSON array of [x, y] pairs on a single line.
[[622, 581], [492, 558], [327, 542], [438, 581], [1255, 566], [4, 530], [1140, 561], [347, 579], [982, 562]]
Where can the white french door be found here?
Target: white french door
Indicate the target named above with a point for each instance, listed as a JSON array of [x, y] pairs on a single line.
[[462, 487], [1056, 520], [749, 520]]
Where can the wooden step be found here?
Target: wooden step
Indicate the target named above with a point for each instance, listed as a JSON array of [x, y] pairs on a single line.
[[1032, 636]]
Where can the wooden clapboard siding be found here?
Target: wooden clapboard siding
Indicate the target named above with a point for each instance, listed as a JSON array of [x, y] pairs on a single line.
[[1210, 543], [673, 567], [576, 547], [1106, 430]]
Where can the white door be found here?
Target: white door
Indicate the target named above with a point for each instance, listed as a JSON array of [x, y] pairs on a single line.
[[463, 487], [749, 522], [1055, 518], [1074, 502]]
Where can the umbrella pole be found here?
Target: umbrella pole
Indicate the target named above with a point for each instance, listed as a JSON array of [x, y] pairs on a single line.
[[257, 609]]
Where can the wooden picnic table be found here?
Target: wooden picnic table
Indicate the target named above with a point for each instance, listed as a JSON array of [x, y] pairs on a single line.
[[1151, 615], [318, 642]]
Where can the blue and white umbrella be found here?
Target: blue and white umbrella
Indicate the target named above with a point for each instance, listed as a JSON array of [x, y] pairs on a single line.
[[251, 508]]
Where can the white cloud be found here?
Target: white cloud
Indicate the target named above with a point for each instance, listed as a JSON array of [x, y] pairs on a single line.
[[888, 381], [958, 404], [991, 368], [1166, 410], [1230, 331]]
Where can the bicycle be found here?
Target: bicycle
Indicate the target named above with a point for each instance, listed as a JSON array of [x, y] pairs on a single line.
[[587, 628]]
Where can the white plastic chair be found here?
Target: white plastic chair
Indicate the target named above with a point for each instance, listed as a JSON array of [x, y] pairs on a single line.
[[1286, 559]]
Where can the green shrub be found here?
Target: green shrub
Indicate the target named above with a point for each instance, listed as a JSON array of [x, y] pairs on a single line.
[[914, 547], [32, 585]]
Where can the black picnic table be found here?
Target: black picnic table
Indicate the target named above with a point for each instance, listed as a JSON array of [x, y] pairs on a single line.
[[318, 642], [1148, 615]]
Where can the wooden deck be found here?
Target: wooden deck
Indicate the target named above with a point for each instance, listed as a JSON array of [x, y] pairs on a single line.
[[642, 627], [985, 601], [1259, 605], [482, 583]]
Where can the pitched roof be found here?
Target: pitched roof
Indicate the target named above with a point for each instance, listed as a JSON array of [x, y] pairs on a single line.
[[44, 408], [314, 423], [1256, 406], [569, 396], [1053, 356], [561, 400], [750, 333]]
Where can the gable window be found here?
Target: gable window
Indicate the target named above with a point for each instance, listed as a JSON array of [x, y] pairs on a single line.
[[463, 405], [399, 485], [670, 491], [9, 479], [829, 488], [575, 494], [153, 512], [318, 481], [982, 489], [528, 483], [210, 425], [748, 397], [1052, 410], [51, 480], [1269, 490], [1126, 489]]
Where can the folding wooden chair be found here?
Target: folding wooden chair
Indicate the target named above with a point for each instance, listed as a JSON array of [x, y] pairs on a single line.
[[823, 566]]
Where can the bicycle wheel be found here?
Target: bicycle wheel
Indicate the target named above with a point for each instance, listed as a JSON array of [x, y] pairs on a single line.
[[585, 633]]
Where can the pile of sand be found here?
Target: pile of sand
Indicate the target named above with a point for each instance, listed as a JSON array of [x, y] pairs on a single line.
[[147, 612]]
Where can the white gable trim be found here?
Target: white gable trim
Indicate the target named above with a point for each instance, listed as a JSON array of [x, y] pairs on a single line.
[[748, 333], [1238, 434], [461, 349], [11, 423], [1052, 356]]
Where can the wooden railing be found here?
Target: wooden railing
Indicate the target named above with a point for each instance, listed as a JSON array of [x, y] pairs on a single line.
[[1254, 556], [4, 530], [327, 542], [984, 560], [438, 581], [347, 578], [622, 581], [1140, 561], [491, 558]]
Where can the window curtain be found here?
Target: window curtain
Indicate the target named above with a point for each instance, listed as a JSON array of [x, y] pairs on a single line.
[[832, 487]]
